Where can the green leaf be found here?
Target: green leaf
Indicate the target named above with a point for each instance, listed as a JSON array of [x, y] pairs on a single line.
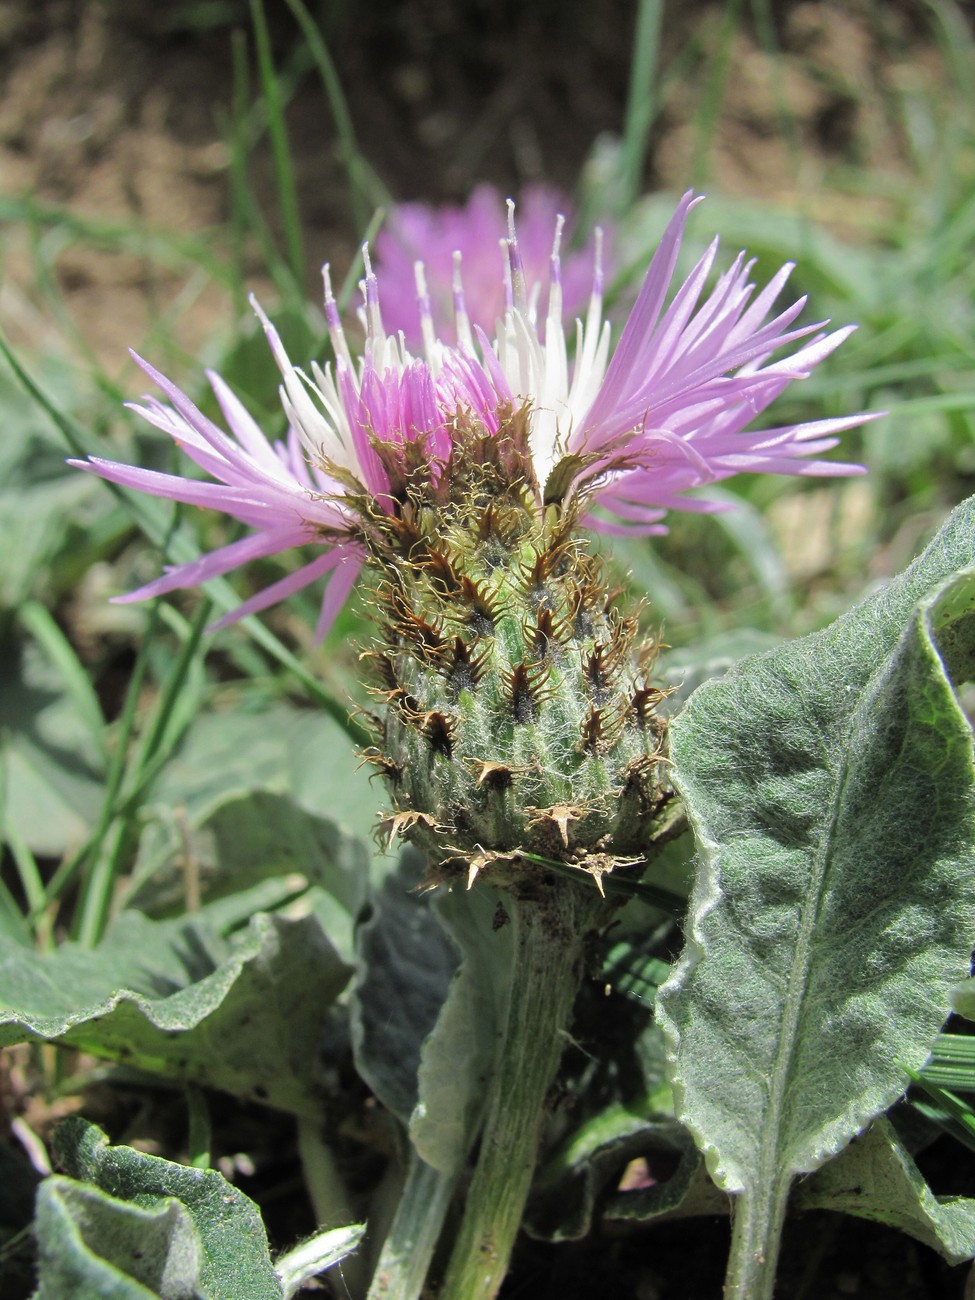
[[875, 1178], [404, 965], [872, 1178], [587, 1170], [314, 1256], [126, 1226], [829, 784], [457, 1058], [95, 1245], [300, 753], [953, 629], [238, 844], [40, 496], [50, 764], [963, 999], [59, 652], [581, 1179], [242, 1012]]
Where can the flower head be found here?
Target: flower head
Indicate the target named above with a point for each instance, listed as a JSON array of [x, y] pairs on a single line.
[[468, 242], [629, 431]]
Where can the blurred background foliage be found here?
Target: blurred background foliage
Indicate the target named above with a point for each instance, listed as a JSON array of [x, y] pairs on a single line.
[[160, 162]]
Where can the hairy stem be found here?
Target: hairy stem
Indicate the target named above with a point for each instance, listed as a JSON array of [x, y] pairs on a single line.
[[550, 938], [755, 1240]]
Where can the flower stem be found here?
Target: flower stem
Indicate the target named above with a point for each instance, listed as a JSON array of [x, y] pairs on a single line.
[[755, 1240], [550, 938], [329, 1196], [408, 1249]]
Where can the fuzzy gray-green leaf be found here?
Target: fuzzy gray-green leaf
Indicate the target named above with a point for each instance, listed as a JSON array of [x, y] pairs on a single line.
[[126, 1226], [875, 1178], [405, 963], [829, 783], [96, 1245], [458, 1055], [242, 1012]]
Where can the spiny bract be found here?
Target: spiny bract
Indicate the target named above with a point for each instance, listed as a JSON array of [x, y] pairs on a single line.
[[518, 711]]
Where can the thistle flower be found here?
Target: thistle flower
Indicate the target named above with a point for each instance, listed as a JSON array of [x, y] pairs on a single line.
[[471, 239], [517, 710]]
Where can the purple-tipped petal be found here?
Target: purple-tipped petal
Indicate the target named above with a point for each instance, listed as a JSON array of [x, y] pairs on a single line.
[[436, 236], [671, 410], [215, 564], [337, 591], [283, 588]]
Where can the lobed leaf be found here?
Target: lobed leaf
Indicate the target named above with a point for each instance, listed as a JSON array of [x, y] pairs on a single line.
[[93, 1244], [583, 1178]]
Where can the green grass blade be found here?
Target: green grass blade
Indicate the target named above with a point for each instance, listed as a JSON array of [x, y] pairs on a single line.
[[241, 129], [945, 1109], [366, 189], [90, 855], [952, 1063], [280, 149], [175, 707], [26, 866], [706, 118], [240, 197], [787, 125], [953, 32], [42, 627], [641, 100], [117, 830], [133, 236]]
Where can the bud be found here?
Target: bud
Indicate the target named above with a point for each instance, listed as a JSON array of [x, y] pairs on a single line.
[[517, 710]]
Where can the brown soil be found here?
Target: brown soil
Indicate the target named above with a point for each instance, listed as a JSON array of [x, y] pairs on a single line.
[[115, 110]]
